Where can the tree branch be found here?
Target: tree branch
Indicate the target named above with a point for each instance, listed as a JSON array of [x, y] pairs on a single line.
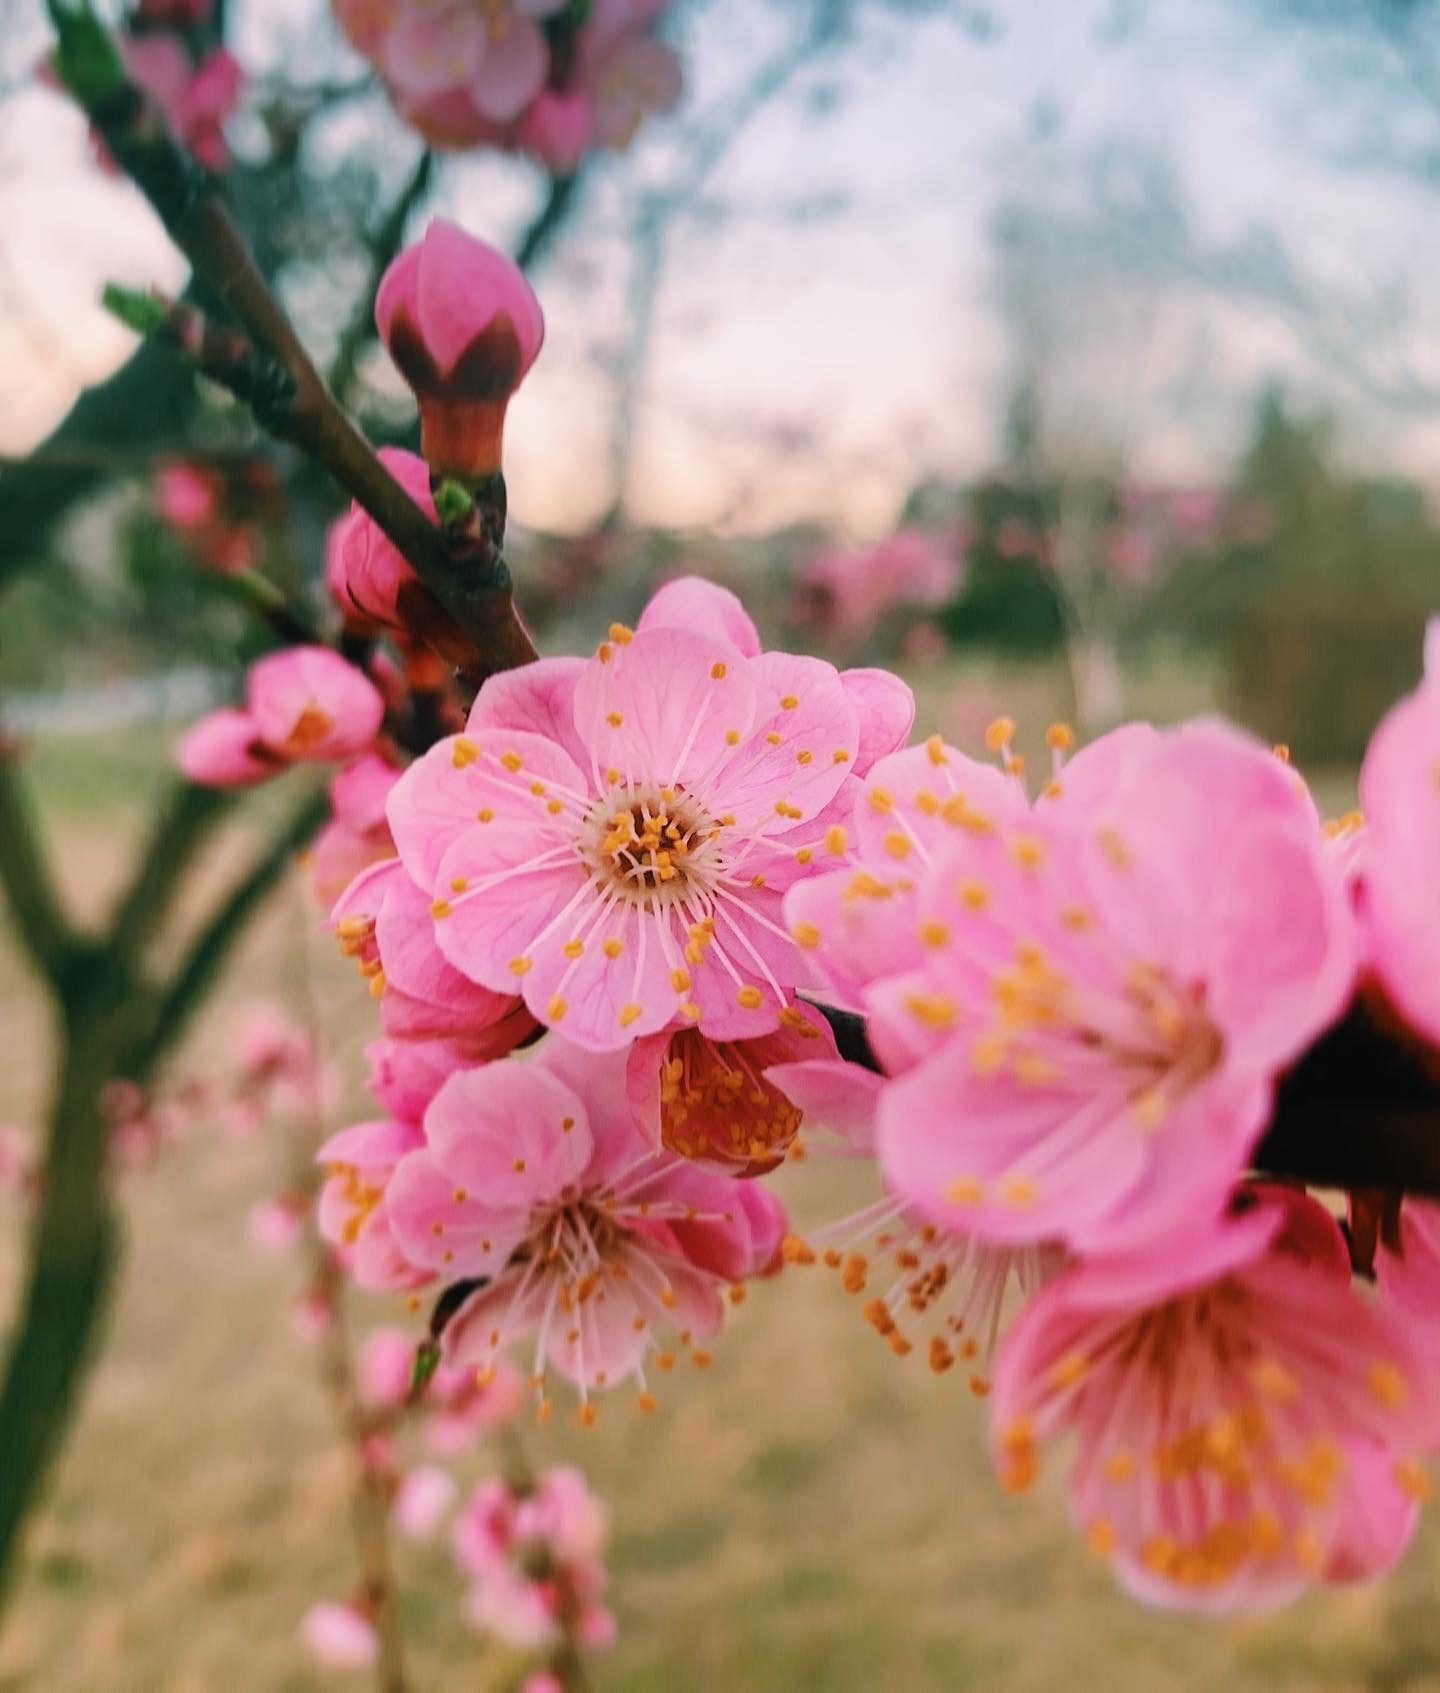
[[212, 945], [472, 583], [184, 826], [35, 909], [360, 331]]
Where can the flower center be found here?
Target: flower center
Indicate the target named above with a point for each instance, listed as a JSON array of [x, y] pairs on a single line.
[[652, 846], [716, 1104]]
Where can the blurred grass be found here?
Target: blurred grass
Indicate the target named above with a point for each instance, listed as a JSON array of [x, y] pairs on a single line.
[[809, 1514]]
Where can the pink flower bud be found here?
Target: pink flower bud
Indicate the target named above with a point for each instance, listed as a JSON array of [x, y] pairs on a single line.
[[226, 750], [558, 129], [365, 570], [308, 703], [339, 1635], [463, 326]]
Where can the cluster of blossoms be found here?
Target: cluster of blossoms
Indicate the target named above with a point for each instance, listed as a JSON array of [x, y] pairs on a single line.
[[545, 77], [196, 85], [533, 1561], [843, 592], [1080, 1010], [219, 514], [599, 914]]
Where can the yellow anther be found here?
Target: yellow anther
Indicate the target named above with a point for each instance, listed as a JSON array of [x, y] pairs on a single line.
[[612, 946], [935, 750], [881, 800], [439, 908], [621, 635], [614, 719], [628, 1013], [964, 1190], [806, 934], [519, 966], [788, 702], [1019, 1191], [680, 980], [897, 844], [717, 671], [1101, 1537], [555, 1010], [1060, 737], [485, 815], [1387, 1384], [836, 840], [936, 1011], [1027, 851], [463, 752], [512, 761], [750, 998], [1000, 733], [933, 932]]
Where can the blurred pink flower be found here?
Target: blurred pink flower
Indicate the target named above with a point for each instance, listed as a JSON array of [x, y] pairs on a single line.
[[534, 1561], [276, 1224], [17, 1170], [1400, 890], [1247, 1423], [358, 834], [340, 1636], [308, 703], [422, 1502]]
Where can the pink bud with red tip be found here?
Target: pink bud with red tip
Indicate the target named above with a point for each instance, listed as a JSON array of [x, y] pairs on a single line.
[[463, 326]]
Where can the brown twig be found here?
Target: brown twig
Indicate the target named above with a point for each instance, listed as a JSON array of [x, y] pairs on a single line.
[[274, 373]]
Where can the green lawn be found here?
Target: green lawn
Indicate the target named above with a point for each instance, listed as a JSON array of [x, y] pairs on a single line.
[[809, 1514]]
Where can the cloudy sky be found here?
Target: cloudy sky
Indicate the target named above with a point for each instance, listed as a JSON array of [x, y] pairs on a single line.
[[835, 318]]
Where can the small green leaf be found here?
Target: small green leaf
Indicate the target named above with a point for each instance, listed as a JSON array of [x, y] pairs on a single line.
[[136, 309]]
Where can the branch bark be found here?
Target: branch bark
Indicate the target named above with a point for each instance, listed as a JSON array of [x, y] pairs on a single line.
[[276, 374], [34, 903]]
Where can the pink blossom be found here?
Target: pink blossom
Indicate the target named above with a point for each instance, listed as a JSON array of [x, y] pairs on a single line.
[[358, 834], [611, 836], [275, 1224], [383, 921], [712, 1100], [1085, 1005], [849, 588], [1400, 893], [196, 98], [17, 1170], [534, 1561], [493, 76], [384, 1368], [423, 1501], [340, 1636], [366, 572], [534, 1176], [187, 495], [463, 326], [355, 1211], [308, 703], [311, 1315], [1247, 1423], [462, 1406], [225, 750]]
